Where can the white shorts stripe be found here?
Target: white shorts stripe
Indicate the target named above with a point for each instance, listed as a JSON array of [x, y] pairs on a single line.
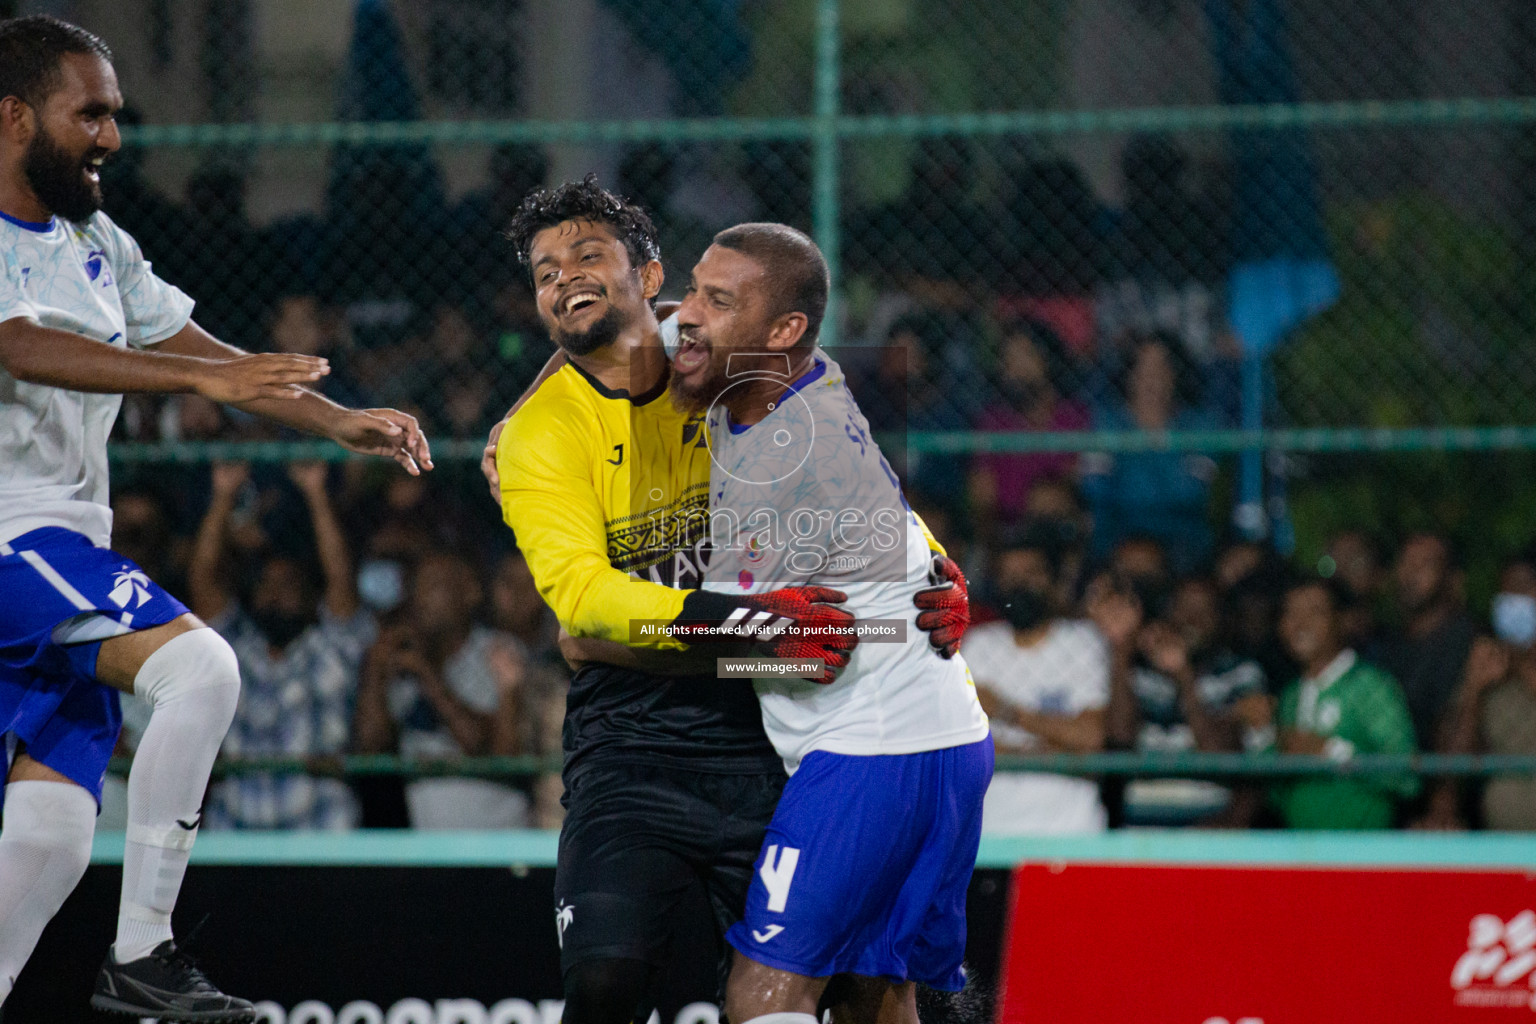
[[60, 584], [6, 549]]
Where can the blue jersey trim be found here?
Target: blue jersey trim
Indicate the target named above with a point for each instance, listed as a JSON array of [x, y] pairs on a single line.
[[30, 225], [808, 377]]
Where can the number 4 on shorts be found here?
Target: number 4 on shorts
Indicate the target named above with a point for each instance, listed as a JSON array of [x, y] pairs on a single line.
[[777, 872]]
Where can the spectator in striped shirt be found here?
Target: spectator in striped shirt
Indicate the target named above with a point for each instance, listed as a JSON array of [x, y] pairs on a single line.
[[300, 649]]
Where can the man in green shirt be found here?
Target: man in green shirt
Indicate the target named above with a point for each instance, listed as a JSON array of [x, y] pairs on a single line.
[[1339, 707]]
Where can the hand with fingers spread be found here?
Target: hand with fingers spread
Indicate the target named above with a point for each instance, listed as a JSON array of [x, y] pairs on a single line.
[[386, 432], [247, 378]]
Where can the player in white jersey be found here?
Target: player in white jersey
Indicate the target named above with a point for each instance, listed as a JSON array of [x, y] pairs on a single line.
[[83, 319], [866, 864]]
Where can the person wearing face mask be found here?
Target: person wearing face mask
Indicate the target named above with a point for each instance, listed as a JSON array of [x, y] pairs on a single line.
[[1494, 709], [299, 653], [1187, 690], [1043, 679]]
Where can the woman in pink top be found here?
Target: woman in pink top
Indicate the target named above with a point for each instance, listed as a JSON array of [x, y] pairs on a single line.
[[1032, 367]]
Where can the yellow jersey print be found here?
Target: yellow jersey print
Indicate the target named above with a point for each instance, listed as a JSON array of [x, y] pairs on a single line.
[[608, 496]]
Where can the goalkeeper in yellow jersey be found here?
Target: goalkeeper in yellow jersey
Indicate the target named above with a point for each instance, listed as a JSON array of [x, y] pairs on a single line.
[[670, 780]]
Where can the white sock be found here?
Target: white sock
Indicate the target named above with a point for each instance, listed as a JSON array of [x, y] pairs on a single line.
[[45, 845], [784, 1018], [192, 684]]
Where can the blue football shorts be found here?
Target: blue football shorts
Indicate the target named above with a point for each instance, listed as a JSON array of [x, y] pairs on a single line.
[[866, 865], [60, 596]]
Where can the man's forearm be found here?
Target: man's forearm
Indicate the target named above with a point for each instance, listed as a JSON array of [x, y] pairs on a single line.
[[1122, 718], [312, 412], [1077, 735], [579, 651], [209, 597], [335, 558], [62, 359]]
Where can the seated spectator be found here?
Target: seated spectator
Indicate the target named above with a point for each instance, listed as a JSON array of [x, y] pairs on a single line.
[[518, 609], [438, 686], [1355, 559], [299, 650], [1055, 509], [1251, 608], [1160, 494], [1429, 650], [1494, 711], [300, 323], [920, 380], [1143, 562], [141, 532], [1340, 707], [1238, 559], [1043, 679], [1186, 690], [1032, 381]]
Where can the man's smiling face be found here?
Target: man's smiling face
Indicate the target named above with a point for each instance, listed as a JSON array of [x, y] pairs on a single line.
[[587, 290], [75, 132]]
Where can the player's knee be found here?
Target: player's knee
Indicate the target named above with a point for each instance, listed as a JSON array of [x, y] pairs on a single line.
[[198, 665], [57, 817], [605, 991]]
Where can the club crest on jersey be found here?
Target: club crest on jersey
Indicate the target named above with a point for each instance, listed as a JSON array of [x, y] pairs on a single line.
[[96, 267], [564, 915], [692, 434], [128, 585]]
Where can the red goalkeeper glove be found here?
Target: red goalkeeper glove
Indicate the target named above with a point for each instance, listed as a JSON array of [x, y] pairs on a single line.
[[793, 622], [946, 606]]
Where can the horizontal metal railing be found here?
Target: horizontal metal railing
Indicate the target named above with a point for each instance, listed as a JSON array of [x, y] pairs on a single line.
[[1191, 764]]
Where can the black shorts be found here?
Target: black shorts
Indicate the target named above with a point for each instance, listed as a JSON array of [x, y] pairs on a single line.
[[639, 840]]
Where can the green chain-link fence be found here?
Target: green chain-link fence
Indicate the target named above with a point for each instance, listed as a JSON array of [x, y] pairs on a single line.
[[1311, 220], [1225, 268]]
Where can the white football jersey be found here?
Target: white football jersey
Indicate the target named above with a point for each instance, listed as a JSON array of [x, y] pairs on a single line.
[[803, 497], [88, 279]]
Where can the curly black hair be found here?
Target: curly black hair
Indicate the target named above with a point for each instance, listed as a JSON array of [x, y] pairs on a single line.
[[583, 200]]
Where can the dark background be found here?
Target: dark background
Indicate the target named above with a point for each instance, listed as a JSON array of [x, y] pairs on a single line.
[[338, 934]]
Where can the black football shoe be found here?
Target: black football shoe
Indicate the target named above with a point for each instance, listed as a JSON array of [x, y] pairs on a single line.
[[165, 984]]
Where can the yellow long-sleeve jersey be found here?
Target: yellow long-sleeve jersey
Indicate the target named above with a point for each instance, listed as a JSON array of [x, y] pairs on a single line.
[[608, 495]]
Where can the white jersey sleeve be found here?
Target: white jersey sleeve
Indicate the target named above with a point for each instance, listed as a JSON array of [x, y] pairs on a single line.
[[153, 310], [14, 303]]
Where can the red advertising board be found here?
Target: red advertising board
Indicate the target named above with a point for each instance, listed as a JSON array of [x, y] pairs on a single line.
[[1110, 944]]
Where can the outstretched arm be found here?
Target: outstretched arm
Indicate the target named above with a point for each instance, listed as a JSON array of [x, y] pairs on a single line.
[[384, 432], [62, 359]]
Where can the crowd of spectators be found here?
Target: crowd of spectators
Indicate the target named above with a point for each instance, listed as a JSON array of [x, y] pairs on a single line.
[[378, 613], [374, 613]]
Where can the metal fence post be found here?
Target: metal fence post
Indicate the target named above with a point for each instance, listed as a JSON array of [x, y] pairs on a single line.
[[824, 210]]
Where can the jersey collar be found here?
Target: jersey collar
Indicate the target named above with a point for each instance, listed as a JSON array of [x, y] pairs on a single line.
[[815, 373], [29, 225], [650, 395]]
